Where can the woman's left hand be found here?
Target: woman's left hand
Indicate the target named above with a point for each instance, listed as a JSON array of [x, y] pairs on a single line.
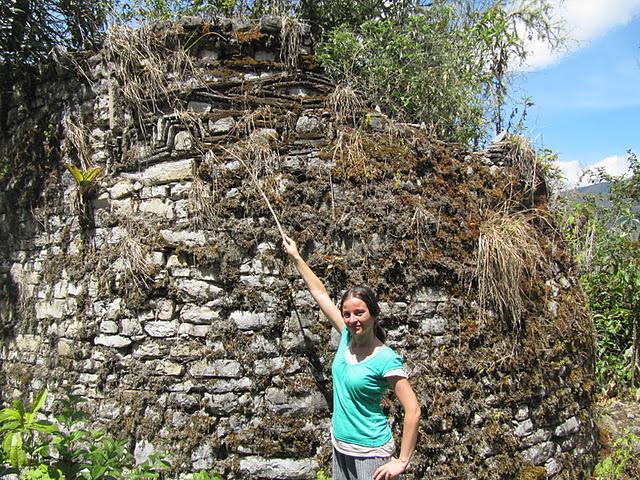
[[390, 470]]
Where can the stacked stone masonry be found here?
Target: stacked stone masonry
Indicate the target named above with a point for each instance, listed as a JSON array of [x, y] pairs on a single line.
[[166, 300]]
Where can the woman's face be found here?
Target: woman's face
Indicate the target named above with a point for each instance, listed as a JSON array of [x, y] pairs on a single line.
[[356, 316]]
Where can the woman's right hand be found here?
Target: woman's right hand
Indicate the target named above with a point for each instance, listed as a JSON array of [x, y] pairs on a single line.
[[290, 246]]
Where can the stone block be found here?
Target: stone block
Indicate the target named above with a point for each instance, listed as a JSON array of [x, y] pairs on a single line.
[[123, 207], [109, 327], [149, 350], [161, 328], [131, 327], [88, 378], [223, 404], [185, 350], [280, 402], [157, 207], [142, 451], [433, 326], [199, 314], [553, 467], [202, 457], [112, 341], [183, 140], [539, 436], [26, 342], [222, 125], [184, 401], [522, 413], [65, 347], [180, 190], [167, 172], [280, 468], [164, 309], [53, 309], [197, 289], [539, 454], [422, 309], [121, 190], [571, 426], [215, 368], [183, 237], [252, 320], [523, 428], [271, 24], [199, 107], [167, 367], [307, 124], [231, 385], [191, 330]]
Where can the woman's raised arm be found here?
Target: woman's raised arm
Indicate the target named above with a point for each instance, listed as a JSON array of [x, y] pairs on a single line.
[[314, 285]]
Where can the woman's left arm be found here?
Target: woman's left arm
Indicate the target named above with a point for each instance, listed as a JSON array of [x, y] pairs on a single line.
[[397, 466]]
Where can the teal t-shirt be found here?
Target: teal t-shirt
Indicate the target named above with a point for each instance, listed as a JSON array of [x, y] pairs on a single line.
[[357, 391]]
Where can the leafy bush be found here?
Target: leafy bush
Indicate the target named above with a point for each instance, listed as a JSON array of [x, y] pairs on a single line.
[[320, 475], [35, 448], [624, 461], [443, 65], [603, 235]]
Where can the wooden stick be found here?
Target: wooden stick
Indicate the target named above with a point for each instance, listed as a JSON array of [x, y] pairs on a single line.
[[257, 185]]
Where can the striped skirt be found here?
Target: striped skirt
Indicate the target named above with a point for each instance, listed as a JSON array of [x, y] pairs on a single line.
[[346, 467]]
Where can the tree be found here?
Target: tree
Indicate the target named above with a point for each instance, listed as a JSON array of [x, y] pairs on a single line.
[[447, 64], [30, 29]]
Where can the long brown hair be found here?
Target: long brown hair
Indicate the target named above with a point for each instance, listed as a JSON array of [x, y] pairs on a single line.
[[368, 296]]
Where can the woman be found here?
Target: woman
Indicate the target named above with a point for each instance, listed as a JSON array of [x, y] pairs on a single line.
[[362, 370]]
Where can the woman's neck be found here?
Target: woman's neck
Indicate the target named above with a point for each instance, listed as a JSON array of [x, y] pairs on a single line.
[[366, 341]]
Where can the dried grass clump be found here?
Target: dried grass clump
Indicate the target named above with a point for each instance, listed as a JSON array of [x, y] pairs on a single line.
[[134, 264], [420, 222], [260, 161], [349, 153], [508, 255], [520, 155], [263, 116], [346, 105], [201, 204], [78, 135], [291, 38], [143, 61]]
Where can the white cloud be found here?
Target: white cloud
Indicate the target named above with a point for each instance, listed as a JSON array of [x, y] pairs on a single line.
[[571, 171], [584, 21], [615, 165], [576, 175]]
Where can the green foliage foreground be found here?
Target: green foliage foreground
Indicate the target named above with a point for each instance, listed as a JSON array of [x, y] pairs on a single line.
[[34, 448], [603, 234]]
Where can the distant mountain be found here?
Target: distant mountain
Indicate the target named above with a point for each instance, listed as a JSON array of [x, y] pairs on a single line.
[[598, 189]]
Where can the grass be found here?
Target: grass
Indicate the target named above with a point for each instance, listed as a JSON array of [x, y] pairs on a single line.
[[201, 204], [348, 152], [347, 106], [148, 66], [508, 255], [290, 37], [136, 268], [77, 135]]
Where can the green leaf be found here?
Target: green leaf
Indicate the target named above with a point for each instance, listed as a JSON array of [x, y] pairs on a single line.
[[40, 400], [75, 172]]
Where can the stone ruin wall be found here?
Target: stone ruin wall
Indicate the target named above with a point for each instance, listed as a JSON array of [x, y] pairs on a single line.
[[166, 299]]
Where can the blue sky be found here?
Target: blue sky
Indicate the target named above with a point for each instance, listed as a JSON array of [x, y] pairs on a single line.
[[587, 98]]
